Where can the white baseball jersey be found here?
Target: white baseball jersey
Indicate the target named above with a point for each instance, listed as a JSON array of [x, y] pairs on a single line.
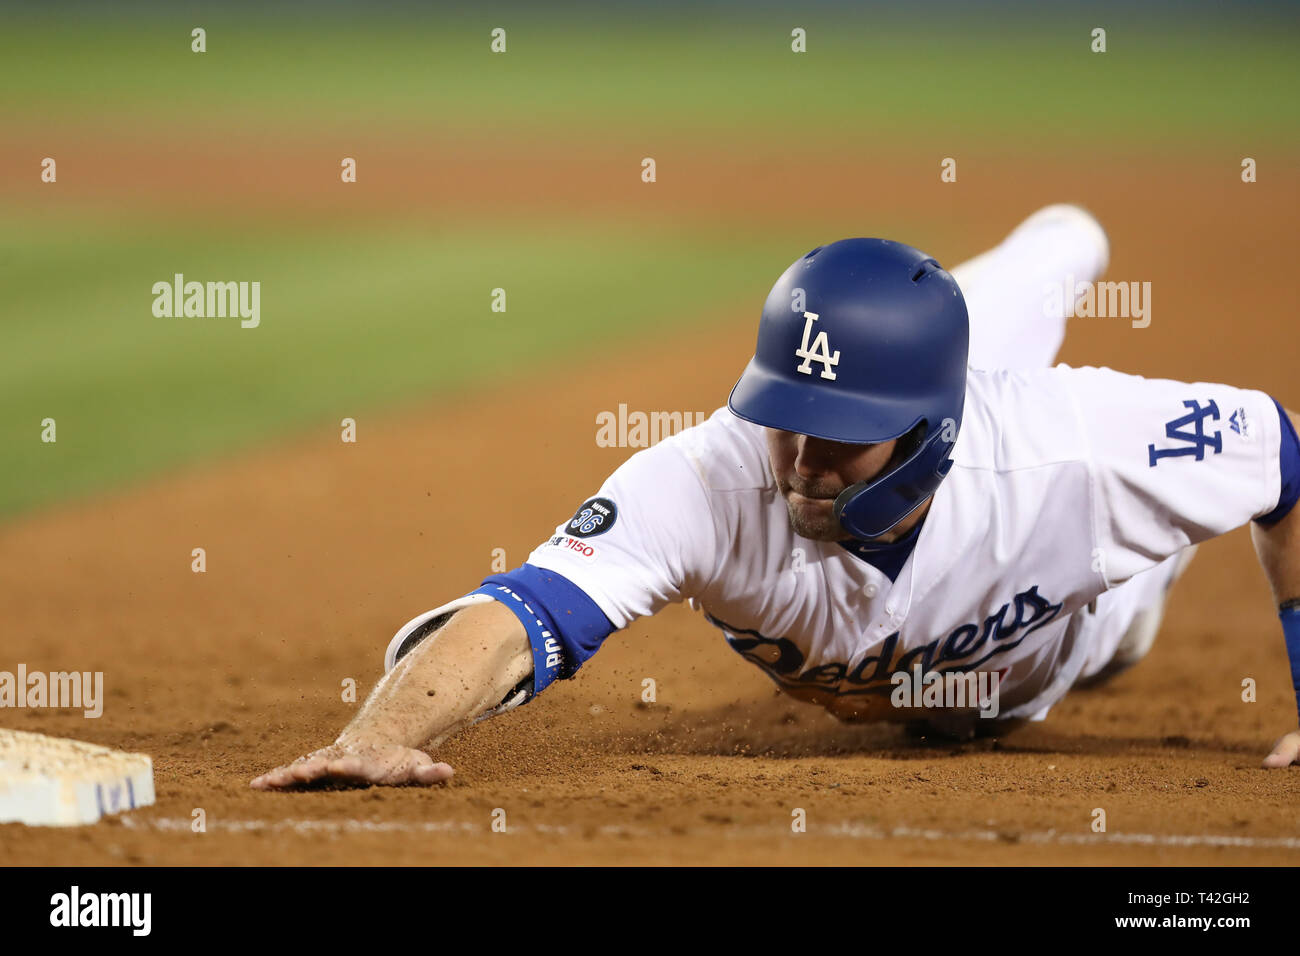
[[1052, 500], [1071, 494]]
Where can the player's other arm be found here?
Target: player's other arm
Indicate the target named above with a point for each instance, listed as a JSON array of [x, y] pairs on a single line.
[[1278, 547], [441, 686], [1177, 463]]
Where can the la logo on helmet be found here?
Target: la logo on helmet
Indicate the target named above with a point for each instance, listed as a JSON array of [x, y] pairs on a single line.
[[820, 351]]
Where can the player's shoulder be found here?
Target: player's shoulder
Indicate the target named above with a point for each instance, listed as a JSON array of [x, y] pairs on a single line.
[[1030, 417], [728, 453], [1047, 389], [1018, 418]]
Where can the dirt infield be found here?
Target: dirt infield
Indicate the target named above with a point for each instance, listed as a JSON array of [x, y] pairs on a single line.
[[317, 551]]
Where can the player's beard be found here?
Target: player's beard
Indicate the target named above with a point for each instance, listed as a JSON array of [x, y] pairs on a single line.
[[814, 519], [812, 511]]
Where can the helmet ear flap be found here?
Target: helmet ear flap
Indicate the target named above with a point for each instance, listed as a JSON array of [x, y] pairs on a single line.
[[869, 509]]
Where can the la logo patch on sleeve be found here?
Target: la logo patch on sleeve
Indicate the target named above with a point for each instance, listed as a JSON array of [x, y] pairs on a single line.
[[1195, 443], [596, 516]]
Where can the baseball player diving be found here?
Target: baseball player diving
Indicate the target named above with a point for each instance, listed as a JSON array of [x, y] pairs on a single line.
[[902, 513]]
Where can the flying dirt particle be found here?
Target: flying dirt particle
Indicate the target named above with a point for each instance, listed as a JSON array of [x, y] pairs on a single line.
[[220, 727]]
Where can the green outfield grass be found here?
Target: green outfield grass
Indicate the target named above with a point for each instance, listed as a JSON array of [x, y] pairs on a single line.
[[358, 319], [980, 71], [349, 324]]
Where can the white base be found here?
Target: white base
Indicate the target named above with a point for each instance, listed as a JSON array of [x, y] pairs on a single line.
[[51, 781]]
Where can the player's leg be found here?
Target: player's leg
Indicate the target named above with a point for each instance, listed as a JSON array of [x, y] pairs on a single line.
[[1129, 620], [1016, 320]]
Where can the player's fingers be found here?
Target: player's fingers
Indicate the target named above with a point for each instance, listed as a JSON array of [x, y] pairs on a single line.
[[274, 779], [271, 779], [414, 766], [312, 768], [431, 772], [351, 767], [397, 766], [1285, 752]]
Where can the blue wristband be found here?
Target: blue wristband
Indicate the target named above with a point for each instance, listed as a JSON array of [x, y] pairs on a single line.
[[1290, 615], [548, 652]]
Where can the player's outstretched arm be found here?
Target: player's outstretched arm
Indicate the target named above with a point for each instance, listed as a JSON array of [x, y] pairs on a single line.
[[1278, 547], [435, 690]]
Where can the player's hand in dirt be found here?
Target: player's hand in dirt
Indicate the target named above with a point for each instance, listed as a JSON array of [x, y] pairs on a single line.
[[357, 763], [1285, 751]]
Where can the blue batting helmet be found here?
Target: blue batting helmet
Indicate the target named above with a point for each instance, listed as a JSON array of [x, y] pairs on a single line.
[[862, 341]]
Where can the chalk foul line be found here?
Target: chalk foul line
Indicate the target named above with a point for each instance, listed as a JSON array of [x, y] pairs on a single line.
[[845, 830]]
